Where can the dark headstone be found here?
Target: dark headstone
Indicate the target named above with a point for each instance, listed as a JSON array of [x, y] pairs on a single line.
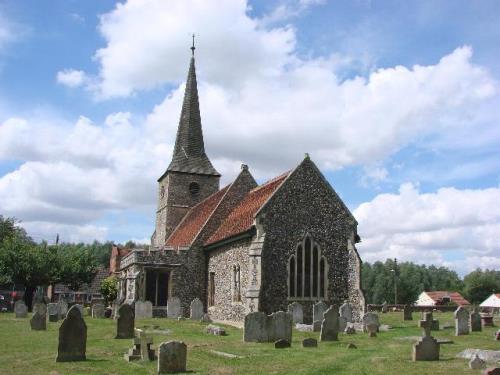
[[38, 322], [351, 346], [172, 356], [255, 327], [309, 343], [281, 344], [53, 311], [72, 337], [407, 310], [475, 322], [427, 348], [330, 325], [20, 309], [125, 322]]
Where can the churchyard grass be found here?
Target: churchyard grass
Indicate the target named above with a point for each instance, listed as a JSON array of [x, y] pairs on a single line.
[[33, 352]]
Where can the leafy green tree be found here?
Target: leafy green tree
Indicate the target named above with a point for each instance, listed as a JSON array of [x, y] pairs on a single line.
[[479, 285], [109, 289], [76, 265]]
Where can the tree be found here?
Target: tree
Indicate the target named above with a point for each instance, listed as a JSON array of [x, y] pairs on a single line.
[[479, 285], [76, 265], [109, 289]]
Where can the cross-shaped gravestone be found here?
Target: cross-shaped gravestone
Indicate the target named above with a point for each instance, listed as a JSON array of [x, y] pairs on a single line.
[[426, 324]]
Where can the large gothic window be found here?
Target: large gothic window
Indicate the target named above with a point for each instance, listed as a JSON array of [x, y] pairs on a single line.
[[307, 272]]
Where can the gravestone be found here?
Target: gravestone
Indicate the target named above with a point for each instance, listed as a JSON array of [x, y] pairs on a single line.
[[196, 309], [53, 311], [297, 312], [407, 312], [372, 329], [215, 330], [346, 312], [98, 311], [20, 309], [72, 337], [206, 318], [255, 328], [143, 310], [62, 306], [142, 349], [427, 348], [79, 307], [279, 326], [370, 318], [384, 307], [173, 307], [309, 343], [330, 325], [342, 324], [318, 311], [475, 321], [281, 344], [38, 322], [350, 330], [40, 307], [172, 357], [316, 326], [461, 321], [125, 322], [476, 363]]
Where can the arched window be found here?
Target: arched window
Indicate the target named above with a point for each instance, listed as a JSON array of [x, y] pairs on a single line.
[[307, 272], [236, 284]]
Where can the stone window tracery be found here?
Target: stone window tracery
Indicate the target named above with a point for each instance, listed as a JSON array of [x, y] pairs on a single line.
[[307, 272], [236, 283]]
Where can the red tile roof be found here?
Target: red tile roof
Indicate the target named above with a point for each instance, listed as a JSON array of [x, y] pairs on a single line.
[[195, 219], [455, 297], [241, 217]]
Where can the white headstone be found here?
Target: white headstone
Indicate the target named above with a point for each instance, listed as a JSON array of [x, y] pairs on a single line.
[[20, 309], [462, 324], [370, 318], [143, 310], [346, 312], [173, 307], [196, 309], [318, 311]]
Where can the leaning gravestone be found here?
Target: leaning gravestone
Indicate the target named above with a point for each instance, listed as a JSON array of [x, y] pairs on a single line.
[[255, 329], [38, 322], [461, 321], [475, 321], [20, 309], [346, 312], [143, 310], [330, 325], [318, 311], [407, 310], [72, 337], [40, 307], [297, 312], [427, 348], [125, 322], [279, 326], [173, 307], [384, 307], [172, 357], [370, 318], [62, 308], [196, 309], [53, 311], [98, 311]]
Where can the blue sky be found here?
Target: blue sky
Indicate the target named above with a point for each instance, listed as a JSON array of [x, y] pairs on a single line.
[[396, 102]]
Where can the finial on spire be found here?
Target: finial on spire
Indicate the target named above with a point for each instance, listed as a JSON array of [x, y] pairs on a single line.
[[193, 47]]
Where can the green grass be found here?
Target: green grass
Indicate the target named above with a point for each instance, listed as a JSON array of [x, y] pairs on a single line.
[[27, 352]]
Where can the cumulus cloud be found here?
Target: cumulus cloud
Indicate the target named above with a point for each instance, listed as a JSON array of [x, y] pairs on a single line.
[[71, 78], [453, 227]]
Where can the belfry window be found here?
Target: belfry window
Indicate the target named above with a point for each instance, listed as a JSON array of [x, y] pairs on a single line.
[[194, 189], [236, 284], [307, 272]]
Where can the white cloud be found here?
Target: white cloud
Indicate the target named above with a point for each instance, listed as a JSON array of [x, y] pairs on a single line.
[[452, 227], [71, 78]]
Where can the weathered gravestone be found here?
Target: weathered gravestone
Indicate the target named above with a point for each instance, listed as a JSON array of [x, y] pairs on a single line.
[[255, 329], [196, 309], [62, 306], [38, 322], [426, 348], [330, 325], [372, 329], [370, 318], [53, 311], [215, 330], [125, 322], [172, 357], [309, 343], [346, 312], [98, 311], [407, 312], [206, 318], [461, 321], [142, 349], [297, 312], [173, 307], [143, 310], [20, 309], [72, 337], [281, 344], [279, 326], [476, 363], [475, 321], [318, 311], [40, 307], [384, 307], [79, 307]]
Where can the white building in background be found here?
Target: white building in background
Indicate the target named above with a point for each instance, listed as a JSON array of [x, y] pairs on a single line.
[[492, 302], [441, 297]]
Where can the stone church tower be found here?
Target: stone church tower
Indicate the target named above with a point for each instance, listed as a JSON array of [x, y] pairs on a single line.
[[190, 177]]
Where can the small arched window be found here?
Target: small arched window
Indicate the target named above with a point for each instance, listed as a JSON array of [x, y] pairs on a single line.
[[307, 272], [236, 283]]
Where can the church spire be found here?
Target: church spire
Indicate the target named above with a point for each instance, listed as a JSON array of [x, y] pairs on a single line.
[[189, 150]]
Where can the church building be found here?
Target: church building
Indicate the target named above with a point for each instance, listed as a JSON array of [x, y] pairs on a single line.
[[243, 247]]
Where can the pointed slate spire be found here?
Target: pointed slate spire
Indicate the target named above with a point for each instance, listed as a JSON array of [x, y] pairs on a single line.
[[189, 151]]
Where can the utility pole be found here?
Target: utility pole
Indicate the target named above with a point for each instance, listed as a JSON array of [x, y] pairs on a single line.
[[395, 270]]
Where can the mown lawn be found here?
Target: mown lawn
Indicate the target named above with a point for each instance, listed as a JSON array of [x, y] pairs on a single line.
[[26, 352]]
